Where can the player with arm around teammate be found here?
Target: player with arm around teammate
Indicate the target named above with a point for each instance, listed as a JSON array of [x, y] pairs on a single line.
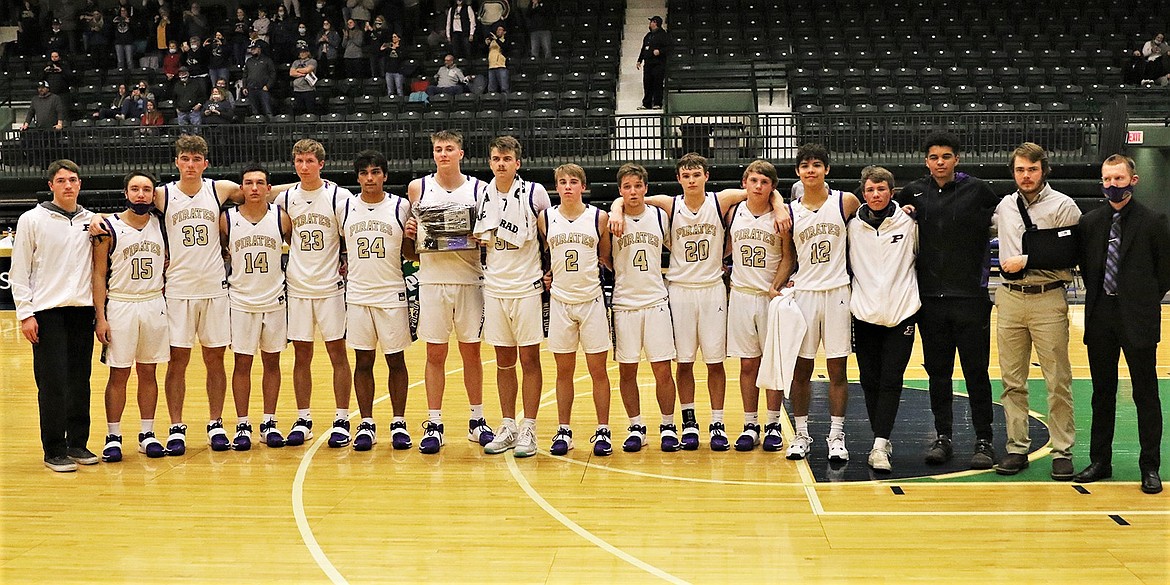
[[883, 243], [131, 312], [513, 283], [373, 225], [577, 238], [253, 234], [821, 281], [761, 261]]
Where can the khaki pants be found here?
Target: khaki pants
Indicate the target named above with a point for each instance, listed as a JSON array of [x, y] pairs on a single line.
[[1041, 321]]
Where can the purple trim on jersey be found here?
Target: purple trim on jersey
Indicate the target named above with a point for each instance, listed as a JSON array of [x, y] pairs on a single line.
[[397, 214], [661, 219], [166, 199], [113, 236]]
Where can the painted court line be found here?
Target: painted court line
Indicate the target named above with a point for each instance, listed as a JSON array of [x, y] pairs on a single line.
[[582, 532]]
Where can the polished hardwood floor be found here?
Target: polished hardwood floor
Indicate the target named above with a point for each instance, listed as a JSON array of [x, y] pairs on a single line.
[[314, 514]]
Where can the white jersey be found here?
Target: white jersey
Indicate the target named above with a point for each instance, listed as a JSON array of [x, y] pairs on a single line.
[[755, 250], [696, 244], [576, 276], [885, 284], [461, 267], [137, 257], [196, 268], [314, 255], [256, 281], [510, 271], [637, 261], [373, 240], [819, 238]]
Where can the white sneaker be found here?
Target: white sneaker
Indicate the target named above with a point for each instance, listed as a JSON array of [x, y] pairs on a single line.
[[799, 447], [505, 439], [526, 442], [879, 459], [837, 450]]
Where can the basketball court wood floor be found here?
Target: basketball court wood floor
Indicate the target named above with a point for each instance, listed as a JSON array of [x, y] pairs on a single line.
[[313, 514]]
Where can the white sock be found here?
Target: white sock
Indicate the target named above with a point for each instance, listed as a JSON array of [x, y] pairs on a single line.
[[751, 418], [269, 417], [716, 416], [773, 416], [602, 428], [218, 420], [668, 419], [880, 443], [243, 420], [507, 422], [529, 423], [435, 416], [304, 413], [114, 428], [399, 419], [148, 425], [801, 424], [368, 420], [836, 426], [476, 411], [342, 414], [636, 421]]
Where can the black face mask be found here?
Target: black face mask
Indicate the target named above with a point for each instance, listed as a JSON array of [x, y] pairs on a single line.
[[140, 208]]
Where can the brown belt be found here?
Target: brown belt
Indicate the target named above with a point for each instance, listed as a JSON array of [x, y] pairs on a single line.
[[1033, 289]]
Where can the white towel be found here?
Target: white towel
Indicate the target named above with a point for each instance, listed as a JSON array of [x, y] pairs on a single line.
[[507, 215], [782, 340]]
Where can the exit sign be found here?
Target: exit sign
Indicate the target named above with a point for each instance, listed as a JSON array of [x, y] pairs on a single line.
[[1135, 137]]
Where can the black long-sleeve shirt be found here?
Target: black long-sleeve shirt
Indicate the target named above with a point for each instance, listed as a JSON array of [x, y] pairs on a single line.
[[655, 39]]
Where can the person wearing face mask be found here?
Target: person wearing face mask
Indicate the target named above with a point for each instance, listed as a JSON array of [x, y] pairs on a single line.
[[58, 74], [1125, 262], [259, 76], [165, 32], [393, 54], [131, 314], [172, 61], [219, 59], [218, 110], [377, 35], [282, 30], [1033, 313]]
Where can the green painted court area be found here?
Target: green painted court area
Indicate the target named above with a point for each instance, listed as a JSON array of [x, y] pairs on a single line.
[[1125, 441]]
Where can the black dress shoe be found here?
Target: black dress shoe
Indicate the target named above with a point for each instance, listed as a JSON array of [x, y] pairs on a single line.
[[1151, 483], [1094, 472]]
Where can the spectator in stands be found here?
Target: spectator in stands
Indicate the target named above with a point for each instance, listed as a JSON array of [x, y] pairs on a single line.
[[261, 26], [46, 111], [411, 19], [292, 7], [352, 43], [377, 37], [218, 109], [328, 49], [449, 79], [58, 74], [361, 11], [219, 59], [124, 39], [135, 104], [304, 76], [395, 79], [282, 32], [114, 108], [166, 31], [1153, 54], [460, 28], [498, 48], [144, 90], [151, 118], [57, 40], [239, 36], [652, 62], [195, 22], [222, 86], [195, 56], [28, 29], [66, 13], [540, 29], [189, 97], [96, 35], [172, 61], [259, 76], [319, 13]]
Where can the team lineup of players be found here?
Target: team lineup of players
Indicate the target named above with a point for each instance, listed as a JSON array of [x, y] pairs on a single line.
[[790, 294]]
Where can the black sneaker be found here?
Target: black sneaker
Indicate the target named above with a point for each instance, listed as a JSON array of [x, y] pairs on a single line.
[[940, 452], [984, 456], [82, 455], [1012, 464], [60, 464]]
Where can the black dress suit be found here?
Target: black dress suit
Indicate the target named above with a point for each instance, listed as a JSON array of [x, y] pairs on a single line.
[[1128, 322]]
